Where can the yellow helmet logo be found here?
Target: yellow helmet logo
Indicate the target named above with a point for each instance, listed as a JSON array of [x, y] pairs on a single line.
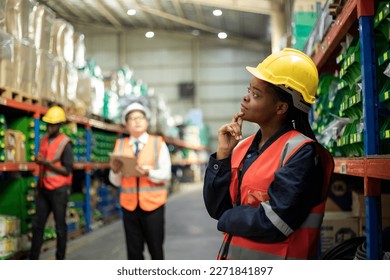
[[54, 115]]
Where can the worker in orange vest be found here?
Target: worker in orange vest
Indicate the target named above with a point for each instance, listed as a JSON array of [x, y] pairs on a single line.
[[268, 191], [143, 195], [55, 161]]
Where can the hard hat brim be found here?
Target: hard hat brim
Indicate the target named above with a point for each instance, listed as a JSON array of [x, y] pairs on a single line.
[[50, 121], [256, 73], [298, 100]]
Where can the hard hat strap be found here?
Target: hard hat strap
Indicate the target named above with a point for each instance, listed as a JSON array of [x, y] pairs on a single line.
[[297, 98]]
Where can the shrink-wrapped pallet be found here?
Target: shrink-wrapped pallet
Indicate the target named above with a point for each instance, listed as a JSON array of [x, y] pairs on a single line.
[[3, 4], [7, 68], [57, 84], [25, 58], [18, 19], [44, 74], [79, 59], [17, 67], [61, 40], [42, 21]]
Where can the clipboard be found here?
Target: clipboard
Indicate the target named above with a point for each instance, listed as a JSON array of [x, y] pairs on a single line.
[[128, 167]]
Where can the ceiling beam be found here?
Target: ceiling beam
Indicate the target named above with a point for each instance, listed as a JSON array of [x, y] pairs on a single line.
[[240, 40], [167, 23], [102, 8], [199, 13], [125, 8], [148, 18], [178, 8], [79, 13], [250, 6], [178, 19]]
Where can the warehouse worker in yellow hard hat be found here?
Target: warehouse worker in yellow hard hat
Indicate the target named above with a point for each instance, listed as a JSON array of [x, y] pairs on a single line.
[[55, 161], [268, 191], [144, 193]]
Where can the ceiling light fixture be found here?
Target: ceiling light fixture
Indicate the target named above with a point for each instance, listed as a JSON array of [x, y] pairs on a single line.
[[217, 13], [131, 12], [222, 35], [195, 32], [149, 34]]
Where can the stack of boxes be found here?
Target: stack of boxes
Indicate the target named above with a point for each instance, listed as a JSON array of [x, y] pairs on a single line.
[[339, 224], [26, 126], [345, 213], [42, 56], [359, 211], [9, 236], [15, 149], [17, 199]]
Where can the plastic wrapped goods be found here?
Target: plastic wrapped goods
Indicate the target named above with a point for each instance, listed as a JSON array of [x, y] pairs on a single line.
[[79, 51], [42, 20], [6, 45], [17, 71], [25, 62], [18, 19], [61, 40], [2, 14], [44, 74]]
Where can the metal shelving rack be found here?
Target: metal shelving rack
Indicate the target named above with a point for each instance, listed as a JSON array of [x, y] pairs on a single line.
[[87, 166], [372, 167]]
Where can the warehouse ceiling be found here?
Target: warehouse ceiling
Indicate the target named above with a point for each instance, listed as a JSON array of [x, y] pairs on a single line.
[[241, 20]]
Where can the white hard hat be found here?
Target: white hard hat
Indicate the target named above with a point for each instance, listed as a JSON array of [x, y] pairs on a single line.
[[135, 107]]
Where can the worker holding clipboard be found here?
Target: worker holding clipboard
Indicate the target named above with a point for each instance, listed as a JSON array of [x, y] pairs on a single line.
[[141, 166]]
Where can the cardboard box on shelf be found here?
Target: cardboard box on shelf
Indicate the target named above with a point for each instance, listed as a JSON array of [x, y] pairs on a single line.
[[359, 205], [339, 197], [7, 73], [338, 227], [15, 149], [362, 225]]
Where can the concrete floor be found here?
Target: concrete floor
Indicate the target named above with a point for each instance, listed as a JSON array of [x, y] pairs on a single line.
[[190, 233]]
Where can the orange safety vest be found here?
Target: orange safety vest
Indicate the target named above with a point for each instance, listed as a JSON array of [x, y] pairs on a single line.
[[141, 190], [52, 151], [303, 242]]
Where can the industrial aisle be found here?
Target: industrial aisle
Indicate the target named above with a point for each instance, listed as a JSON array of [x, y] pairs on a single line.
[[190, 233]]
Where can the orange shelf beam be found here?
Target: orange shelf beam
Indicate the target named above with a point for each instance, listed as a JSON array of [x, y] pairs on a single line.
[[373, 167], [22, 166], [22, 106], [91, 165]]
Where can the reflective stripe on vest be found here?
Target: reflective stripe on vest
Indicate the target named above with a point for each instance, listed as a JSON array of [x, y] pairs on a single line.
[[149, 196], [300, 244], [52, 152], [145, 189]]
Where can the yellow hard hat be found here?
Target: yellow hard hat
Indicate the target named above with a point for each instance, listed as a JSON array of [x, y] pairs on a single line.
[[290, 69], [54, 115]]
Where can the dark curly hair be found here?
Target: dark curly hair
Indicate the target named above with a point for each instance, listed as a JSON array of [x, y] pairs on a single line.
[[298, 118]]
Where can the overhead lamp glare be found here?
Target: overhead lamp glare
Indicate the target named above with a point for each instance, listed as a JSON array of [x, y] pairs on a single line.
[[195, 32], [217, 12], [149, 34], [222, 35], [131, 12]]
